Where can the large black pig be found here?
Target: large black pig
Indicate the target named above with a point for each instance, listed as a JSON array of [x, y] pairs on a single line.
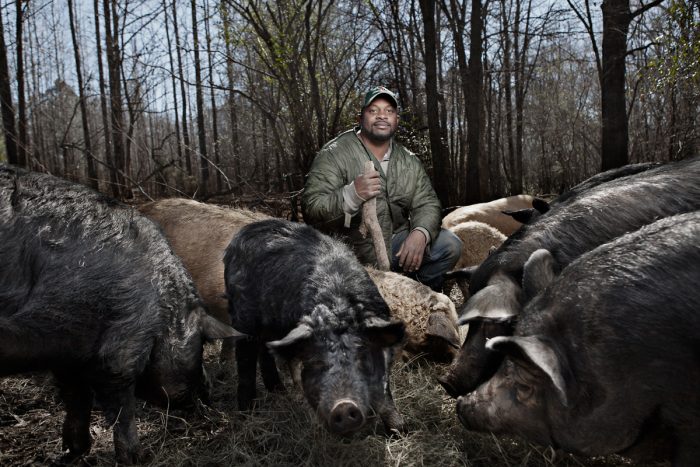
[[305, 296], [597, 212], [606, 359], [539, 206], [90, 290]]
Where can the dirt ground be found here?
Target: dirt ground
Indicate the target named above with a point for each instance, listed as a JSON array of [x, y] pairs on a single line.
[[282, 431]]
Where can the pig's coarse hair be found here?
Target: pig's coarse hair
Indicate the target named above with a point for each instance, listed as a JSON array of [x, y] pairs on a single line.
[[597, 214], [323, 271]]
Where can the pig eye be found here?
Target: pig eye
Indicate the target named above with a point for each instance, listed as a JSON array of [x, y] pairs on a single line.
[[523, 392]]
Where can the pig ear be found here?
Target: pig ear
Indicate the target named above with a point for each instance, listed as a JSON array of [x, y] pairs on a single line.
[[521, 215], [212, 328], [538, 272], [528, 351], [499, 301], [540, 205], [441, 326], [464, 273], [384, 333], [295, 336]]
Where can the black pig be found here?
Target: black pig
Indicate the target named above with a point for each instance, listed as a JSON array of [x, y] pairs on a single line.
[[606, 358], [540, 206], [308, 298], [598, 211], [91, 291]]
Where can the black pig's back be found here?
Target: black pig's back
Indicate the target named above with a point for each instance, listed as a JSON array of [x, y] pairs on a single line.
[[277, 271]]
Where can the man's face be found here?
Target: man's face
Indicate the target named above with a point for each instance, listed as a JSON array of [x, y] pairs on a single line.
[[379, 120]]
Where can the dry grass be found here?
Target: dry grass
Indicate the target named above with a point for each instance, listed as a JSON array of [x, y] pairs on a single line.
[[283, 431]]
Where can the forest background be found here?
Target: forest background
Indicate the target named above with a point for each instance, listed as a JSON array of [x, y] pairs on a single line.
[[206, 98]]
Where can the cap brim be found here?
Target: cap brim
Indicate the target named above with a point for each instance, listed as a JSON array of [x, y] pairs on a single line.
[[383, 94]]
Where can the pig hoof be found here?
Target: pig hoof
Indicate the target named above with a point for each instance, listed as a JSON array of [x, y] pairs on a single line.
[[246, 395], [134, 456], [68, 458], [245, 405]]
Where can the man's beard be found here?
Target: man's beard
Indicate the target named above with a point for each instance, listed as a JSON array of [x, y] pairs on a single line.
[[368, 133]]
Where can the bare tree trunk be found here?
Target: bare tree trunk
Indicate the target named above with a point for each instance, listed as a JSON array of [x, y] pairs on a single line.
[[180, 69], [232, 112], [8, 112], [521, 78], [611, 74], [199, 96], [442, 108], [477, 178], [455, 14], [614, 141], [23, 148], [89, 156], [471, 74], [114, 72], [311, 59], [214, 113], [176, 106], [133, 100], [42, 157], [109, 155], [398, 40], [438, 138], [413, 55], [511, 173], [615, 136]]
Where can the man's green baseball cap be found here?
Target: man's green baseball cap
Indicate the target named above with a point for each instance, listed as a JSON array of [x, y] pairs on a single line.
[[377, 91]]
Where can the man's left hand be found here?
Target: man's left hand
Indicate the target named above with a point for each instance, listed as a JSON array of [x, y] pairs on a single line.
[[411, 252]]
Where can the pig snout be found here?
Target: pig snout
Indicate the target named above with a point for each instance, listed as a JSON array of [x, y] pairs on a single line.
[[345, 417], [470, 413], [449, 383], [468, 374], [474, 364]]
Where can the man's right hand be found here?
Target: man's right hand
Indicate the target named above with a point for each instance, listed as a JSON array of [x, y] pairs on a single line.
[[368, 185]]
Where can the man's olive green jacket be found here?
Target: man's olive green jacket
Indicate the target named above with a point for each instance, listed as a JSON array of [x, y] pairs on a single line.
[[407, 199]]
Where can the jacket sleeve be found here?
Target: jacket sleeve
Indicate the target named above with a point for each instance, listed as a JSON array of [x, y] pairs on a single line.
[[426, 210], [322, 200]]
